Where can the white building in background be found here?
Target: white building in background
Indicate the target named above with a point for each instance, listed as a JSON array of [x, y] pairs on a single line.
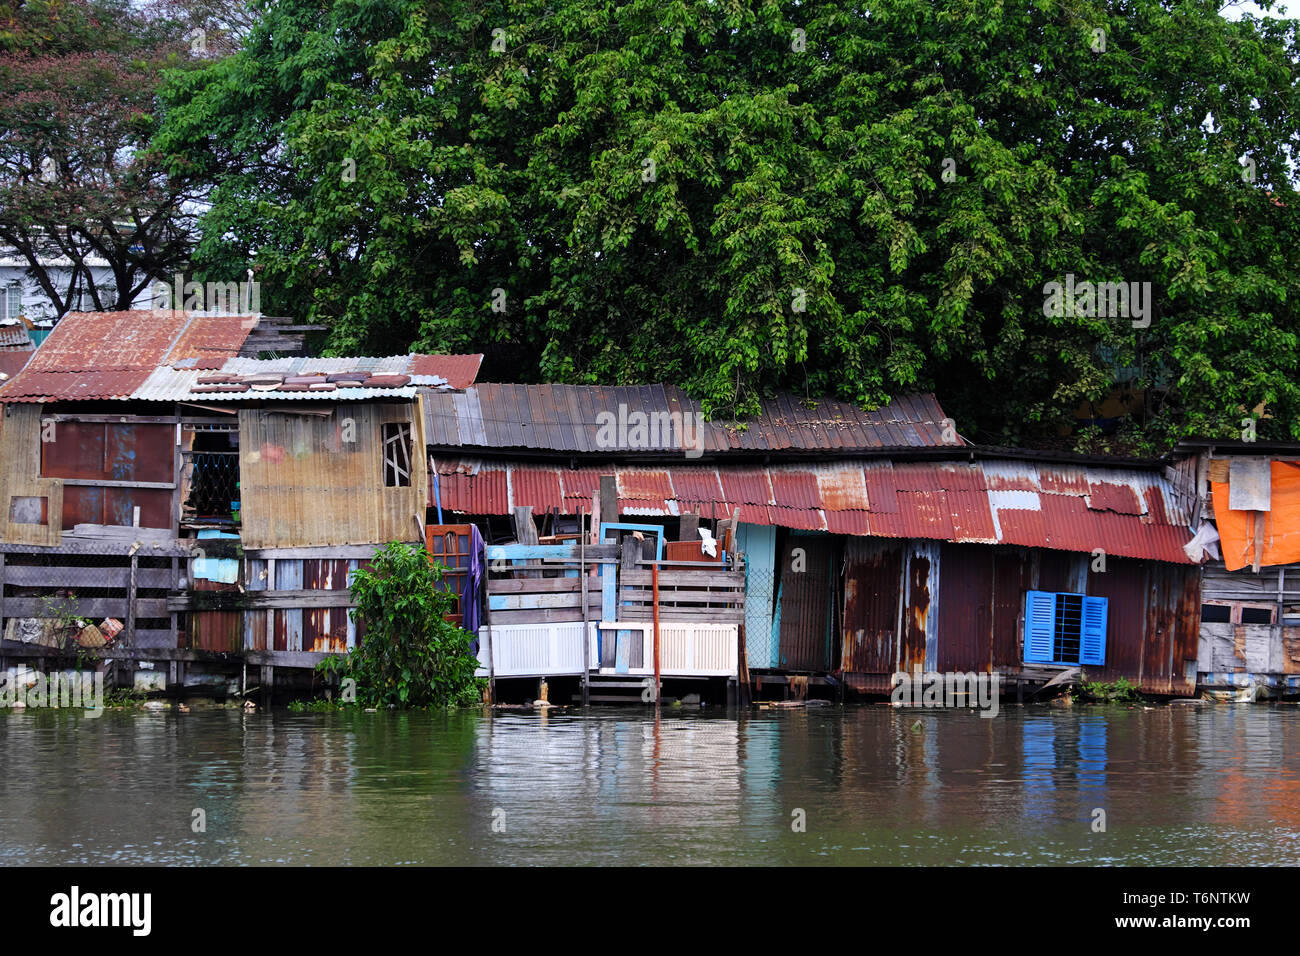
[[20, 294]]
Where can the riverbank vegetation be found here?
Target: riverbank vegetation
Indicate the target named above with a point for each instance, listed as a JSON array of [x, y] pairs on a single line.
[[409, 655], [743, 198]]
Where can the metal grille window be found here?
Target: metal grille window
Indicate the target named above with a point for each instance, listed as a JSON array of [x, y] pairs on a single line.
[[1065, 628], [397, 454]]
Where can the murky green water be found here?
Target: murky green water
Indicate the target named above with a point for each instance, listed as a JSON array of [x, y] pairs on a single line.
[[1179, 785]]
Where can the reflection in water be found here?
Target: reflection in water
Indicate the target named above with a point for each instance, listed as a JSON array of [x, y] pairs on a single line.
[[1183, 785]]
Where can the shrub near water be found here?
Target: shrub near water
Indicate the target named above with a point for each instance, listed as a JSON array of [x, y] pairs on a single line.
[[410, 656]]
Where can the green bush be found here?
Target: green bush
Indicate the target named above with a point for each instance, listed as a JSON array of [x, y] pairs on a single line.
[[410, 656]]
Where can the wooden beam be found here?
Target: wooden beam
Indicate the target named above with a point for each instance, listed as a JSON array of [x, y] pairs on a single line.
[[104, 483], [88, 607], [252, 600]]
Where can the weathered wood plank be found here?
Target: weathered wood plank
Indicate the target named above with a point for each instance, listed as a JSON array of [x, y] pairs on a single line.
[[532, 585], [550, 615], [68, 577], [685, 579], [87, 607], [681, 596], [105, 483], [520, 552], [721, 615], [280, 600], [340, 552], [522, 602], [115, 547]]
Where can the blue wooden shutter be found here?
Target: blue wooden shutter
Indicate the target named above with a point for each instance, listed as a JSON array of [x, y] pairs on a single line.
[[1040, 626], [1092, 646]]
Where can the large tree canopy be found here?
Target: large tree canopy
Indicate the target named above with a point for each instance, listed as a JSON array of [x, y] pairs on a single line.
[[832, 197], [77, 186]]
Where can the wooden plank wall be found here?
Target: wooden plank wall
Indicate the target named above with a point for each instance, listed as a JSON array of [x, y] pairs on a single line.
[[318, 481]]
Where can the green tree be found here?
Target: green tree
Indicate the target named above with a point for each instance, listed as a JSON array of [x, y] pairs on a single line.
[[409, 655], [859, 199], [78, 187]]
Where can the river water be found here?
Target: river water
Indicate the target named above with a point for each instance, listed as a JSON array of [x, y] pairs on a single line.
[[1216, 784]]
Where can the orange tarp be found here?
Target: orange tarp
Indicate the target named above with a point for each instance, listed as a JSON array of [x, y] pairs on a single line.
[[1281, 533]]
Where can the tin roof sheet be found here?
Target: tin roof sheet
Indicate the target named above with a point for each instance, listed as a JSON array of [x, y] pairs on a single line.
[[946, 501], [660, 419], [160, 355]]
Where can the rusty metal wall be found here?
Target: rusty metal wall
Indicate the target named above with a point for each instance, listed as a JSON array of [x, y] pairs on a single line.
[[325, 629], [215, 630], [974, 621], [919, 631], [965, 625], [1012, 577], [315, 481], [873, 585], [805, 603]]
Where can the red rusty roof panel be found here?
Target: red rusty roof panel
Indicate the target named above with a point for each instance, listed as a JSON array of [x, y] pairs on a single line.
[[746, 486], [695, 484], [795, 487], [459, 370], [579, 485], [645, 484], [803, 519], [847, 522], [1107, 496], [972, 521], [482, 494], [1063, 479], [207, 341], [535, 487], [841, 487], [882, 493], [97, 341]]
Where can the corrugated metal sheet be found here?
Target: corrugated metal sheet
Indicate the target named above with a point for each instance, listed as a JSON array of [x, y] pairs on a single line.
[[459, 370], [807, 566], [599, 418], [963, 610], [301, 485], [873, 577], [161, 355], [972, 503], [14, 336]]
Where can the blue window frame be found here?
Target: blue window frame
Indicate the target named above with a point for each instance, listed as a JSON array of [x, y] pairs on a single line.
[[1064, 628]]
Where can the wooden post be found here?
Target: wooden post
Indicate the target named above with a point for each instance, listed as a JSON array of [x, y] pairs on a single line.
[[586, 643], [608, 499], [130, 602], [268, 683], [2, 592], [654, 585], [690, 527], [175, 640], [623, 639]]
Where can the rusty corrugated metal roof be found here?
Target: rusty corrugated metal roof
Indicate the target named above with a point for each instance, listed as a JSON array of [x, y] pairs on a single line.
[[171, 356], [966, 502], [662, 419], [13, 335], [459, 370]]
